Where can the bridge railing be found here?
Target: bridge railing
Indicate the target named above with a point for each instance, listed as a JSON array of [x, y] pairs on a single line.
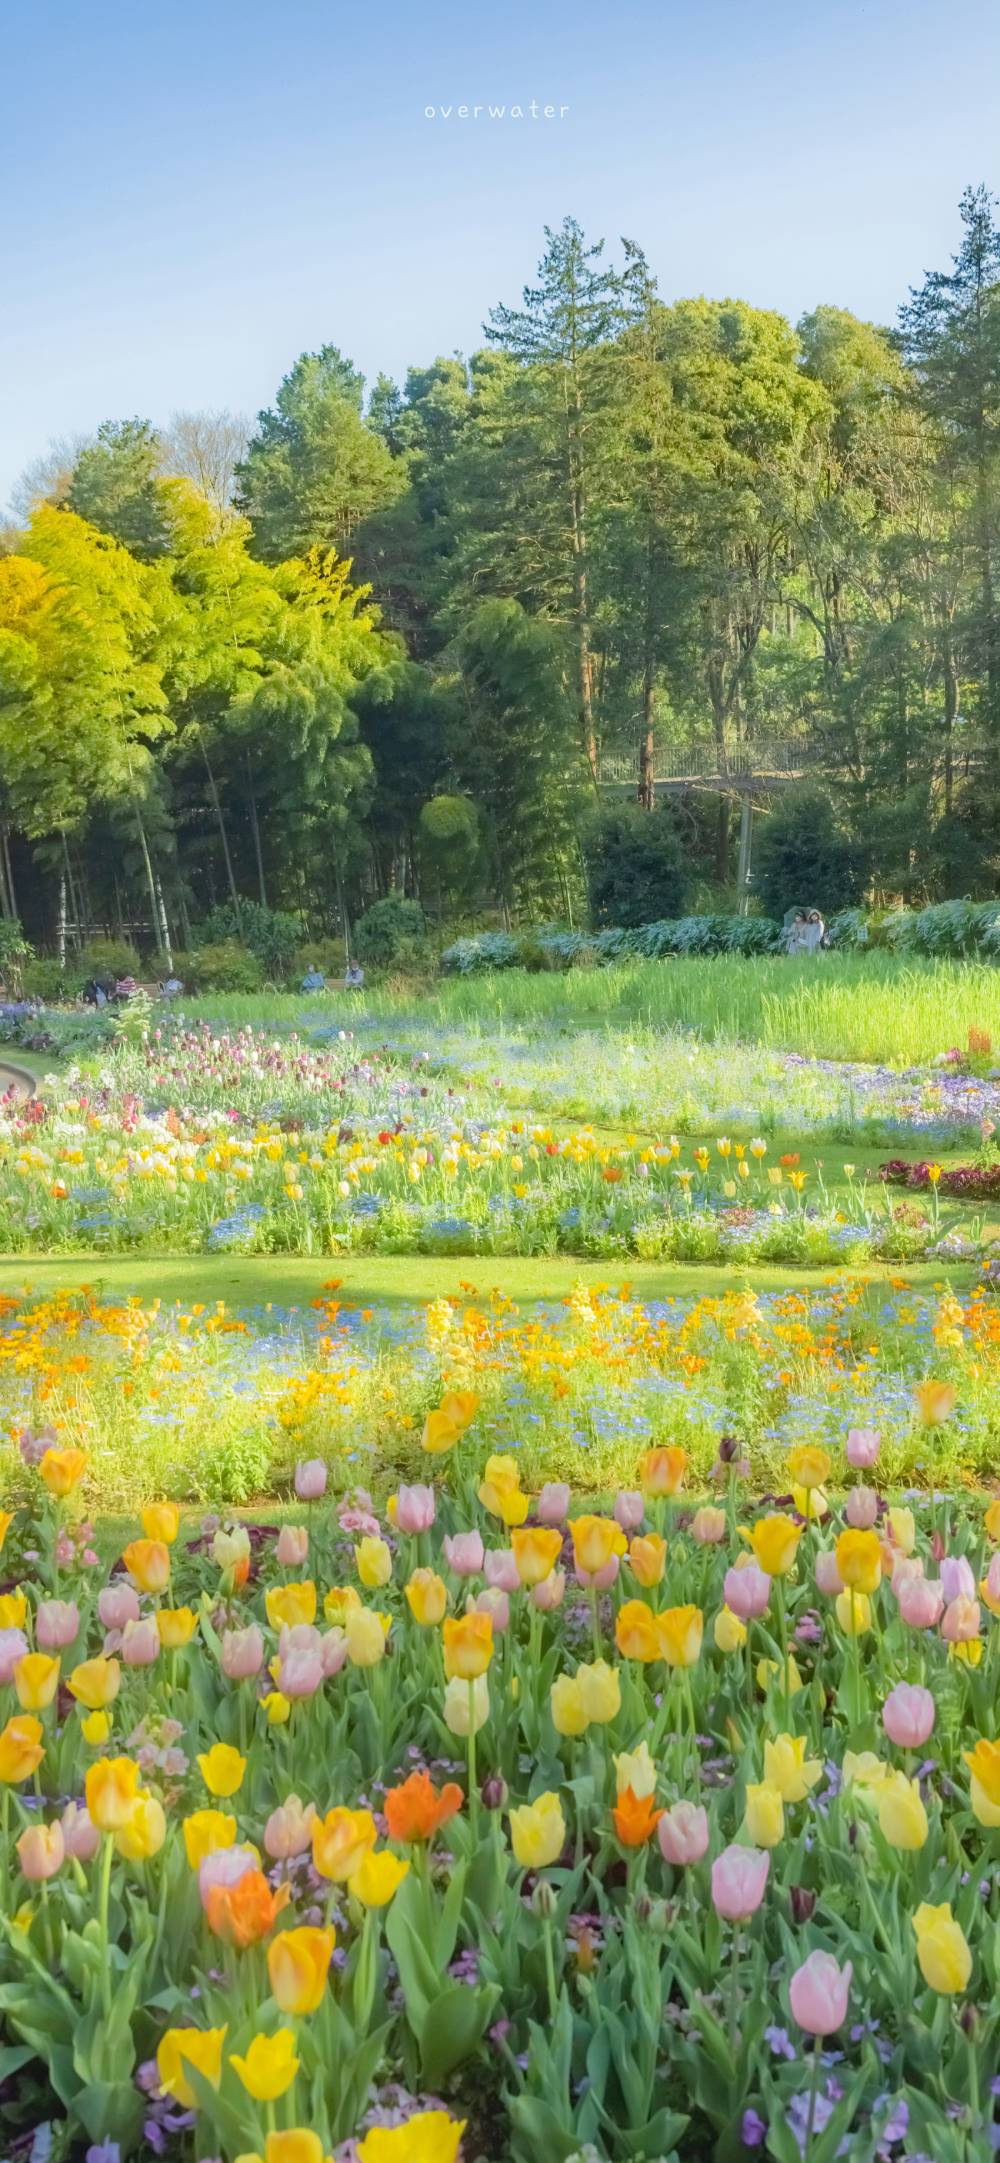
[[676, 762]]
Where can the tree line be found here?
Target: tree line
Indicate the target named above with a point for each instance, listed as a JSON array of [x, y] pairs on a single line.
[[381, 644]]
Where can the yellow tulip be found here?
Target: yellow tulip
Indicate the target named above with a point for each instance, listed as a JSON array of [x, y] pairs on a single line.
[[769, 1676], [601, 1691], [662, 1470], [298, 2146], [680, 1633], [500, 1478], [595, 1541], [536, 1550], [984, 1768], [991, 1521], [775, 1542], [13, 1610], [148, 1564], [811, 1502], [288, 1605], [854, 1617], [62, 1470], [788, 1769], [176, 1626], [365, 1636], [765, 1815], [566, 1706], [269, 2067], [513, 1507], [935, 1402], [430, 2136], [199, 2047], [864, 1770], [95, 1729], [636, 1633], [647, 1559], [427, 1595], [222, 1769], [6, 1520], [901, 1813], [36, 1680], [205, 1832], [160, 1521], [730, 1632], [440, 1433], [460, 1406], [339, 1602], [944, 1956], [341, 1841], [538, 1832], [468, 1645], [277, 1708], [96, 1683], [298, 1963], [859, 1559], [903, 1530], [21, 1749], [112, 1789], [378, 1878], [374, 1563], [144, 1831], [808, 1466], [635, 1769]]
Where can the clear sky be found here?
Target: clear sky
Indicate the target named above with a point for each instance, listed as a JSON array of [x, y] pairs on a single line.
[[197, 191]]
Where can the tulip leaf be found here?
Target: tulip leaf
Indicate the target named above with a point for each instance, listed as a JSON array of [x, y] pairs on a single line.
[[111, 2110], [452, 2027]]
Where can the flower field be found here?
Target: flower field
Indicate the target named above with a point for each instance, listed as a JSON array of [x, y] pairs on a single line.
[[489, 1728]]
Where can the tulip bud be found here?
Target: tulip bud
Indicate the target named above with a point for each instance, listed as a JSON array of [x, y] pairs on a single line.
[[543, 1901], [729, 1449], [81, 1837], [310, 1479], [494, 1792], [803, 1904], [861, 1509], [293, 1547], [629, 1508]]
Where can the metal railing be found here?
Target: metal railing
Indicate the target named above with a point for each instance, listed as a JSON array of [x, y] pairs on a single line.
[[680, 762]]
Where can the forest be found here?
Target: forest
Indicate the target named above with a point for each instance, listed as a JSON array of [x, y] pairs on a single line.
[[388, 641]]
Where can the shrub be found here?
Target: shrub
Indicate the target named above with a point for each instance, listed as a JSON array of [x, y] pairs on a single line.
[[222, 967], [388, 932], [804, 857], [110, 957], [44, 979], [636, 869], [271, 934], [329, 956]]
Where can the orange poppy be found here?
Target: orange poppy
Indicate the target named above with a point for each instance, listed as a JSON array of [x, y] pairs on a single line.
[[244, 1913], [415, 1810], [635, 1819]]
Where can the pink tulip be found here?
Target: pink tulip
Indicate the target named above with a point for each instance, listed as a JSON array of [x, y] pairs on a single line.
[[907, 1567], [289, 1829], [65, 1551], [549, 1594], [310, 1479], [908, 1715], [225, 1866], [993, 1577], [80, 1835], [863, 1444], [333, 1651], [828, 1577], [415, 1510], [818, 1994], [242, 1653], [599, 1580], [140, 1644], [118, 1604], [630, 1508], [501, 1570], [920, 1602], [739, 1876], [553, 1503], [297, 1637], [300, 1674], [492, 1602], [13, 1646], [57, 1624], [861, 1509], [683, 1834], [41, 1851], [747, 1592], [957, 1581], [464, 1553], [293, 1547], [960, 1621]]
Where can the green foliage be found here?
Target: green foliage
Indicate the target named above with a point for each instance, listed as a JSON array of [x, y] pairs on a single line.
[[271, 934], [110, 957], [314, 468], [115, 487], [15, 951], [225, 966], [636, 869], [805, 858], [388, 931]]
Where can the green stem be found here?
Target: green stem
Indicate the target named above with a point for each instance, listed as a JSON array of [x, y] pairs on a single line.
[[550, 1967], [105, 1895], [734, 1993], [813, 2092], [595, 1626], [473, 1789]]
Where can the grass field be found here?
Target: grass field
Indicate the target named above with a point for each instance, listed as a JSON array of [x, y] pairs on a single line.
[[877, 1008]]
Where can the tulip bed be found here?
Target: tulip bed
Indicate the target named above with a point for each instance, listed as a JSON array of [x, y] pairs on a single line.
[[494, 1824]]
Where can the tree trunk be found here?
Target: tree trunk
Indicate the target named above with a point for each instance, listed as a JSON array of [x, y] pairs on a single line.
[[222, 830], [10, 872], [61, 929], [578, 527], [722, 843], [950, 710], [255, 829], [646, 761]]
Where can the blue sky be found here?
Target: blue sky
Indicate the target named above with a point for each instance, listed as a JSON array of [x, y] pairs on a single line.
[[206, 190]]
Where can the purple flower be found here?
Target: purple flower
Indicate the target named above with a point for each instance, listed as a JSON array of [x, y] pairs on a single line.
[[753, 2131], [778, 2039]]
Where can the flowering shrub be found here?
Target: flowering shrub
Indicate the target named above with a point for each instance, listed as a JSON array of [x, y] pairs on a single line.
[[636, 1831]]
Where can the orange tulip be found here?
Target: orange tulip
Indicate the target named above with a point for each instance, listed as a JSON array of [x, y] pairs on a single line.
[[662, 1470], [243, 1914], [148, 1564], [416, 1811], [635, 1819], [21, 1750], [468, 1646], [62, 1470], [648, 1559], [636, 1634], [595, 1540], [536, 1552], [460, 1406]]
